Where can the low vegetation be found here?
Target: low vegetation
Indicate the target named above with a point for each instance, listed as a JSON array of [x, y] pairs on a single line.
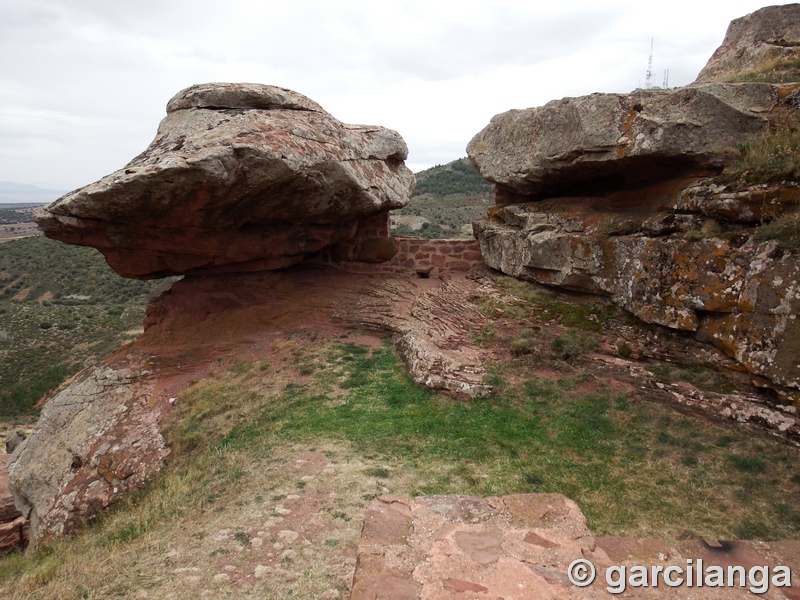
[[774, 159], [785, 230], [635, 468], [61, 308], [447, 199], [783, 70]]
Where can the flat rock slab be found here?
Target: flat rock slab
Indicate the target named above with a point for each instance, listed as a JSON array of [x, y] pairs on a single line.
[[521, 546]]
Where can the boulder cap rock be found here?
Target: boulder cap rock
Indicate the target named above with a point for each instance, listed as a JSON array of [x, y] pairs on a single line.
[[240, 177], [753, 41], [613, 141]]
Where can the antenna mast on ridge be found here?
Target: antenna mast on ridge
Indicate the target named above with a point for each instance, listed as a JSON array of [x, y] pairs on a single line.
[[666, 79], [648, 81]]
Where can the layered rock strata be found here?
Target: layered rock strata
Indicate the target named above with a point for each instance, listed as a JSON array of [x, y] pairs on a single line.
[[612, 194], [240, 177], [99, 438], [607, 142], [675, 269]]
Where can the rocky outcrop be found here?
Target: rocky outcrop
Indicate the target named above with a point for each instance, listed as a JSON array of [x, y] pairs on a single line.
[[100, 437], [95, 441], [606, 142], [672, 268], [610, 194], [525, 546], [240, 177], [14, 528], [754, 42]]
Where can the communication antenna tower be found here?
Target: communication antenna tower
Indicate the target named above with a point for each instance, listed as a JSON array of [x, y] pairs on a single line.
[[666, 79], [648, 80]]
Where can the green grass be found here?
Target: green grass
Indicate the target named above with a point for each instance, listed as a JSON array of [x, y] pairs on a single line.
[[707, 378], [634, 467], [546, 304], [785, 230]]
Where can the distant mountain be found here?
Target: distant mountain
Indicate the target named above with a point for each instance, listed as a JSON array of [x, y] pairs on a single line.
[[23, 193], [9, 188], [447, 199]]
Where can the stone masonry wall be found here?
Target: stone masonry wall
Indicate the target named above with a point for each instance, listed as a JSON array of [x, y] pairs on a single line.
[[450, 255], [425, 257]]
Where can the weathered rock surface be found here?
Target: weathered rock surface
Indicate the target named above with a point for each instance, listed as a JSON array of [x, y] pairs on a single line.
[[240, 177], [738, 294], [99, 438], [95, 440], [522, 546], [603, 142], [608, 194], [14, 528], [754, 41]]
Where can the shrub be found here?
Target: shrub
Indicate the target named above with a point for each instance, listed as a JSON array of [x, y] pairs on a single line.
[[574, 343], [774, 159], [785, 230]]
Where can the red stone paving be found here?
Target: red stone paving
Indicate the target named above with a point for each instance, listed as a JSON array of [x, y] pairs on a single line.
[[521, 546]]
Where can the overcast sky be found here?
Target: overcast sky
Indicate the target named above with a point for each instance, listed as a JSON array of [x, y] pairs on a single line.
[[84, 83]]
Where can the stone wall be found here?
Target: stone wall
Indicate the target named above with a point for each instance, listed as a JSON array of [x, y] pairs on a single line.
[[425, 257]]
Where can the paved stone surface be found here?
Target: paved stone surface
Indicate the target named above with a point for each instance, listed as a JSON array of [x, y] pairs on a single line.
[[521, 547]]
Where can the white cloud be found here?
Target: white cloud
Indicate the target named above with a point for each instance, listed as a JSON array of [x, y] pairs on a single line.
[[83, 85]]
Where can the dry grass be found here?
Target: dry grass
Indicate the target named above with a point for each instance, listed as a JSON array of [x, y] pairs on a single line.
[[774, 159], [276, 458], [784, 70]]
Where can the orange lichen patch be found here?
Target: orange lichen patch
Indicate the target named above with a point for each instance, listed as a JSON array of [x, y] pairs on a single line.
[[626, 132], [785, 91]]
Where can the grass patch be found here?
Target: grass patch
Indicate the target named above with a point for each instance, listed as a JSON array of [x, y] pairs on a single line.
[[784, 229], [626, 463], [635, 468], [774, 159], [546, 305], [704, 377], [574, 343], [782, 70]]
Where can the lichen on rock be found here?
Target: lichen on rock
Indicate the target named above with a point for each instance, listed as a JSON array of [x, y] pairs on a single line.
[[240, 177]]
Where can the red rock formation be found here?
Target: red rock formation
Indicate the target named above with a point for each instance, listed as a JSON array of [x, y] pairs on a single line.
[[240, 177]]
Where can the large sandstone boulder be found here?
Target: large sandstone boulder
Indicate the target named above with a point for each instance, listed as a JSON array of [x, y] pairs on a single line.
[[240, 177], [755, 43], [602, 142], [669, 268], [97, 439], [608, 194]]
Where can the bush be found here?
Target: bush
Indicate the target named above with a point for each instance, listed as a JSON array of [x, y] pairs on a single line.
[[574, 343], [785, 230]]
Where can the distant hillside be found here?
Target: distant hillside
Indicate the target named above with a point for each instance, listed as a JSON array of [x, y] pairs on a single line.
[[17, 195], [61, 308], [457, 177], [447, 199], [15, 213], [9, 188]]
